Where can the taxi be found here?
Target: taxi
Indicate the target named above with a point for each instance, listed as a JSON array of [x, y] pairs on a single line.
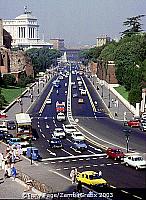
[[91, 179]]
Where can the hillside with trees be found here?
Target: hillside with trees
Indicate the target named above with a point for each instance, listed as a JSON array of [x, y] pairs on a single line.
[[129, 55]]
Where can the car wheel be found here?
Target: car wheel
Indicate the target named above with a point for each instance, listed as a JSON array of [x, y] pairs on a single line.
[[136, 167]]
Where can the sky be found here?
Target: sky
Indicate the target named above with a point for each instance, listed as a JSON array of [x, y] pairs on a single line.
[[78, 22]]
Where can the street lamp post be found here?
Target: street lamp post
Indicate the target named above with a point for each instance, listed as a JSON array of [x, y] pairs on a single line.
[[38, 87], [21, 105], [109, 93], [30, 142], [127, 134]]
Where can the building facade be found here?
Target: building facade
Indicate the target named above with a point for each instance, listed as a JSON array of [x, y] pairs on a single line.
[[24, 30], [57, 43], [100, 41]]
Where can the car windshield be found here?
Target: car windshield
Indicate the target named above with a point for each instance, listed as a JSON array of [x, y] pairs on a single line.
[[78, 134], [58, 130], [70, 127], [118, 151], [95, 176], [11, 122], [80, 142]]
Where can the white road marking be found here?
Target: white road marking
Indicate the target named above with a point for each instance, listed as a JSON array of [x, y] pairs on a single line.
[[108, 164], [47, 140], [124, 191], [75, 149], [52, 153], [87, 159], [67, 161], [38, 122], [60, 161], [47, 126], [95, 165], [116, 163], [136, 197], [95, 158], [53, 162], [68, 140], [65, 168], [58, 169], [87, 166], [73, 160], [38, 125], [95, 148], [101, 157], [81, 159], [72, 157], [67, 152], [101, 164], [45, 163], [40, 130], [81, 167], [90, 151], [43, 135]]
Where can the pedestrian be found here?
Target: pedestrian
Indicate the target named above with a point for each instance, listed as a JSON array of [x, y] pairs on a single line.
[[79, 187], [72, 175], [13, 172], [100, 173]]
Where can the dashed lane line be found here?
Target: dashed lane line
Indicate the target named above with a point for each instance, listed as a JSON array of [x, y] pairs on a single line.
[[73, 157], [90, 151], [67, 152], [95, 148], [43, 135]]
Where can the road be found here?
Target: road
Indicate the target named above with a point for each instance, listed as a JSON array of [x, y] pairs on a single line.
[[95, 119]]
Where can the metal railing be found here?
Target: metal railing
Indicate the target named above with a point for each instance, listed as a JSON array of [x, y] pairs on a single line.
[[34, 183]]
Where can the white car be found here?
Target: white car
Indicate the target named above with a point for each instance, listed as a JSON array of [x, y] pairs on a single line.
[[48, 101], [69, 128], [136, 161], [3, 126], [61, 117], [79, 83], [77, 136], [83, 92], [59, 133], [78, 78]]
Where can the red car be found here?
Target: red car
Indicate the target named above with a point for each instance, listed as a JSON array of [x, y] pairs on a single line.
[[3, 115], [114, 153], [133, 123]]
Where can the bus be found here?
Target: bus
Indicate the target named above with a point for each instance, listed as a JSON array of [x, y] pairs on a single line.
[[24, 126]]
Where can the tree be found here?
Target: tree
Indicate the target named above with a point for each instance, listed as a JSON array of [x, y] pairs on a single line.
[[134, 25], [135, 95], [9, 80]]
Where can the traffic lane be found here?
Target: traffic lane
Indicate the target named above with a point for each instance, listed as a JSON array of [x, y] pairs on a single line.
[[38, 104], [100, 105], [112, 132], [110, 170]]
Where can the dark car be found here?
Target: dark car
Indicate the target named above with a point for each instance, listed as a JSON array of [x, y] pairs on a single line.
[[11, 125], [55, 142], [7, 137]]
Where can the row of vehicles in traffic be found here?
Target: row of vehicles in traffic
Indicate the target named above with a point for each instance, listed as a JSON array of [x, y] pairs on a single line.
[[22, 135]]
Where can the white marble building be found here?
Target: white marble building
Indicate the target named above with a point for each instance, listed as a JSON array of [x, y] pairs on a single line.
[[24, 30]]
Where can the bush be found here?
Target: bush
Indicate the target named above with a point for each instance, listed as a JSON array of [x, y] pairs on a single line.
[[9, 80], [135, 96]]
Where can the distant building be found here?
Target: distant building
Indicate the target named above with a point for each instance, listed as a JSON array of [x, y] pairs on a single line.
[[100, 41], [24, 30], [57, 43], [1, 32]]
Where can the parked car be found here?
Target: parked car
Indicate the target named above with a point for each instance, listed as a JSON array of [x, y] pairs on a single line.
[[3, 115], [91, 179], [55, 142], [79, 145], [115, 153], [134, 123], [14, 141], [77, 136], [136, 161], [3, 126], [11, 125], [7, 137], [59, 133]]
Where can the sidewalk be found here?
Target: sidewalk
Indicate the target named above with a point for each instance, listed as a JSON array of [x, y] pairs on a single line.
[[118, 110]]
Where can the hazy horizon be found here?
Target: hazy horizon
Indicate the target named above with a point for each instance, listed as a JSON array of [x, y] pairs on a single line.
[[78, 22]]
